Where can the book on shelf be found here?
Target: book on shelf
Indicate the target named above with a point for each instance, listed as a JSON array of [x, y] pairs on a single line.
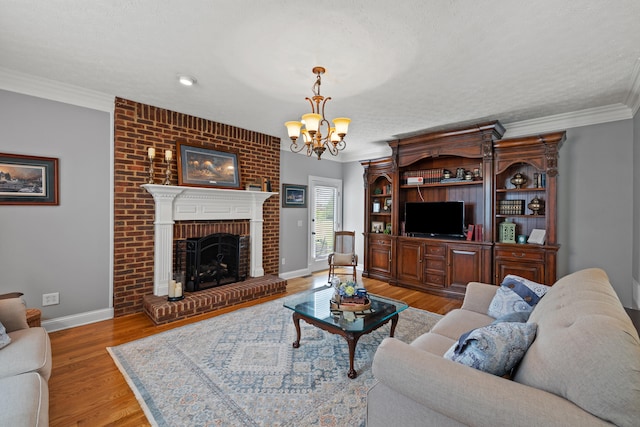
[[470, 232], [540, 180], [478, 233], [511, 207], [429, 176]]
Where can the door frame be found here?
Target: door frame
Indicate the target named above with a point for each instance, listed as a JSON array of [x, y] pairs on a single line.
[[322, 263]]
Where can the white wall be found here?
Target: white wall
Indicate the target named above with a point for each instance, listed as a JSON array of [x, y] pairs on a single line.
[[65, 248]]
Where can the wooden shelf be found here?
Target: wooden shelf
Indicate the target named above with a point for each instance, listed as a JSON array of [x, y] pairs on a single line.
[[519, 190], [441, 184], [519, 216]]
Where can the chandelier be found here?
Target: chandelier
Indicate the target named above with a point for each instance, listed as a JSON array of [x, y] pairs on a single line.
[[315, 123]]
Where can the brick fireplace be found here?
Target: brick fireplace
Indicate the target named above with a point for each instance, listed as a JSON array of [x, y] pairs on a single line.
[[139, 126]]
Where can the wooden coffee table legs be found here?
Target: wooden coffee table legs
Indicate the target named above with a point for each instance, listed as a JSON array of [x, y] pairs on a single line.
[[351, 337]]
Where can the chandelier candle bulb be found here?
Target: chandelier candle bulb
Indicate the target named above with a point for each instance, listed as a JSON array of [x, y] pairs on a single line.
[[306, 136], [152, 153], [335, 138], [293, 128], [168, 155], [312, 122], [342, 125]]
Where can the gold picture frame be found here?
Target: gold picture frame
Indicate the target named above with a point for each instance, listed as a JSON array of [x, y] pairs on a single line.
[[200, 166]]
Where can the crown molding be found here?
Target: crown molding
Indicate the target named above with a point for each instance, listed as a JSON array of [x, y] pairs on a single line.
[[357, 155], [56, 91], [633, 97], [26, 84], [590, 116]]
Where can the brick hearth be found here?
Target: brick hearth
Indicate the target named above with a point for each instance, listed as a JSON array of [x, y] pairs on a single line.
[[162, 311]]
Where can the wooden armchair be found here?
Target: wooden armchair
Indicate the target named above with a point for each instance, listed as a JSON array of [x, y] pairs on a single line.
[[343, 260]]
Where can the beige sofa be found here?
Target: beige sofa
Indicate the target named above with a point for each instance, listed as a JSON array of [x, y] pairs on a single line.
[[582, 369], [25, 367]]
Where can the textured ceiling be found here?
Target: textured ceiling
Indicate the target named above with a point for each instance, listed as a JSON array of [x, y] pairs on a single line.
[[395, 68]]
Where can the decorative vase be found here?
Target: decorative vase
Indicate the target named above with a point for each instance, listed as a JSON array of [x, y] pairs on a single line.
[[518, 180], [536, 205]]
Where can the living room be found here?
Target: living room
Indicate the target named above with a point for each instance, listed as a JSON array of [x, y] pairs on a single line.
[[73, 248], [596, 214]]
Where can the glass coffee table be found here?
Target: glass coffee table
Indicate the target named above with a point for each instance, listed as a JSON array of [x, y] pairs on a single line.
[[314, 307]]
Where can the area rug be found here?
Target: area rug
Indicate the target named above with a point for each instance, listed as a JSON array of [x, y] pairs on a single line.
[[240, 369]]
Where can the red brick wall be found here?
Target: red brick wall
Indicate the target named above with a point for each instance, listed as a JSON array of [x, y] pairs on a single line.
[[138, 127]]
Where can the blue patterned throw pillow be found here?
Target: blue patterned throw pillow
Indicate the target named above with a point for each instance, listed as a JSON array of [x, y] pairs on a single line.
[[516, 294], [4, 338], [496, 348]]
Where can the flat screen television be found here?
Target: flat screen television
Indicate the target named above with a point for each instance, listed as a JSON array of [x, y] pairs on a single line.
[[433, 219]]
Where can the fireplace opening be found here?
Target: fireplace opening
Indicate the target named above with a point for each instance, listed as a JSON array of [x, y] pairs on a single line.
[[214, 260]]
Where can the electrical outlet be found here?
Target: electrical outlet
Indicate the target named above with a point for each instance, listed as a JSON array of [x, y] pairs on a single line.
[[282, 261], [51, 299]]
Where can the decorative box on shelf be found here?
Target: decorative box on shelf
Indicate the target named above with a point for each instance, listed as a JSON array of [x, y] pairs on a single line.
[[507, 232]]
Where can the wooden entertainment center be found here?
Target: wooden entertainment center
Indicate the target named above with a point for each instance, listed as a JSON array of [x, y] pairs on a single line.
[[508, 187]]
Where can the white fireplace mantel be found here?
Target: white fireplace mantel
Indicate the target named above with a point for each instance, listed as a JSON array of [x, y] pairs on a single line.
[[174, 203]]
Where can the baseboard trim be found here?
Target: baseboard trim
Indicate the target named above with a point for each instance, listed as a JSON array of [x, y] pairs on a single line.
[[66, 322], [296, 273]]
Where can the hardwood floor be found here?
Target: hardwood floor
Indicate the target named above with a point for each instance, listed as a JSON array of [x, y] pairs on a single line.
[[87, 389]]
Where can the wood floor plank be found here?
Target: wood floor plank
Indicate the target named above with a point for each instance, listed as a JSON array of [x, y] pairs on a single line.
[[87, 389]]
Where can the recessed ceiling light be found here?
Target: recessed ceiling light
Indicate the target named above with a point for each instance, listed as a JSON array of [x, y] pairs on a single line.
[[187, 80]]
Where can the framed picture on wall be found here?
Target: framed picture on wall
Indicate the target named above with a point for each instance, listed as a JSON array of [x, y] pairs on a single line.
[[28, 180], [204, 167], [294, 196]]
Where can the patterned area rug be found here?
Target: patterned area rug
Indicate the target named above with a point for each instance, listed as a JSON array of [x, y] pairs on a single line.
[[240, 369]]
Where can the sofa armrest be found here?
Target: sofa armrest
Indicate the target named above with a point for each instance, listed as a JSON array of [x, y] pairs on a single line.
[[11, 295], [13, 314], [478, 297], [467, 395]]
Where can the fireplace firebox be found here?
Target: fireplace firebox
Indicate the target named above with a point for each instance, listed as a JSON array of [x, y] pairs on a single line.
[[214, 260]]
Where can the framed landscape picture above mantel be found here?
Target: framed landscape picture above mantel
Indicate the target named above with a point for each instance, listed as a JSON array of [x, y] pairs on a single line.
[[28, 180], [204, 167]]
